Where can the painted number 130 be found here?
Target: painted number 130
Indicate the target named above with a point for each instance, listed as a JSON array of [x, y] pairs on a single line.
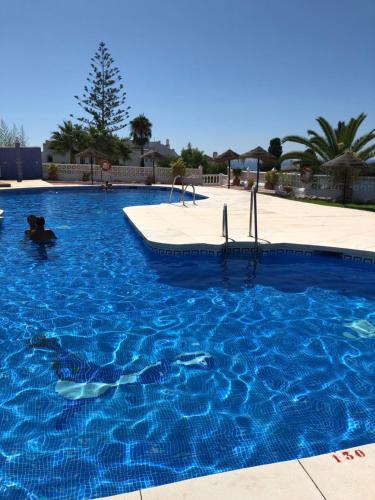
[[346, 455]]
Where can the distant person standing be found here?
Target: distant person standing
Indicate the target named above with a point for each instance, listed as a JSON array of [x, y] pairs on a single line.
[[39, 234]]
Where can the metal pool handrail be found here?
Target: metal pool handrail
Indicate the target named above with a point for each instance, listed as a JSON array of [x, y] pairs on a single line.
[[172, 188], [225, 232], [254, 213], [184, 191]]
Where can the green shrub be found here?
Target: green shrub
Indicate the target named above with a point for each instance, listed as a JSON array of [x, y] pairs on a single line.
[[178, 167], [215, 168], [250, 183], [237, 176], [271, 177], [52, 172]]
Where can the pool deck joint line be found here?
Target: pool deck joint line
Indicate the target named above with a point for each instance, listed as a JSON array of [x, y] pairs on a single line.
[[316, 486]]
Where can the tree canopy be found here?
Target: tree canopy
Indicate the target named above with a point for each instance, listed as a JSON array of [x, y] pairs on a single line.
[[69, 137], [9, 135], [114, 147], [332, 142], [193, 157], [74, 138], [276, 149], [104, 97], [141, 133]]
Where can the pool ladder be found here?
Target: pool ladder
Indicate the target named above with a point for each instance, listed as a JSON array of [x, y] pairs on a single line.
[[183, 190], [254, 213], [225, 231], [253, 220]]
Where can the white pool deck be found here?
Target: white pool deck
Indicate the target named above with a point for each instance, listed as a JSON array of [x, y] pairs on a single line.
[[281, 221]]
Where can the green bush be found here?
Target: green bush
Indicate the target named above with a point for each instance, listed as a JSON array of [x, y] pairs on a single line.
[[250, 183], [237, 176], [166, 161], [52, 172], [215, 168], [271, 177], [178, 167]]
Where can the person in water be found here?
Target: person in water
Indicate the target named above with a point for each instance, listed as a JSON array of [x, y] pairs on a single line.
[[81, 379], [39, 234], [31, 220], [107, 186]]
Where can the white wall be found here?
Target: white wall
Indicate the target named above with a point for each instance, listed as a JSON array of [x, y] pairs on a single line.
[[127, 174]]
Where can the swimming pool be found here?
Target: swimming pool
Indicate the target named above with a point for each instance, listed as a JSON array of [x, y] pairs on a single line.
[[206, 364]]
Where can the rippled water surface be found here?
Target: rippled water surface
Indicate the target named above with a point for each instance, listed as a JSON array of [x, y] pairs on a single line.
[[280, 358]]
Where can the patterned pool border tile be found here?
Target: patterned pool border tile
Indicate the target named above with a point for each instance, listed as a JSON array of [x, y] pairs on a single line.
[[250, 248], [265, 249]]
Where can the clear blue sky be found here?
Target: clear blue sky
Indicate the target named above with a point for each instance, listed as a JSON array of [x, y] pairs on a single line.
[[218, 73]]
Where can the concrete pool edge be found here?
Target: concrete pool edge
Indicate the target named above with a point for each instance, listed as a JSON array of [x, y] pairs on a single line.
[[349, 475], [238, 247], [284, 226], [247, 247], [44, 186]]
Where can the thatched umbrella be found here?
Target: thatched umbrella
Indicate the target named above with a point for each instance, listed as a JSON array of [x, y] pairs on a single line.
[[261, 155], [92, 153], [346, 162], [228, 156], [153, 155]]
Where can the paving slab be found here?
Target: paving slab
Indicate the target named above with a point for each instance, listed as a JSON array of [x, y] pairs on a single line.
[[338, 475], [280, 481], [280, 221], [345, 474], [27, 184]]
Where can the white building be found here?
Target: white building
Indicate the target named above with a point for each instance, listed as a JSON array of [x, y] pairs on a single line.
[[51, 156]]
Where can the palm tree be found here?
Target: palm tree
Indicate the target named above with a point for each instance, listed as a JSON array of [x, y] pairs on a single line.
[[69, 137], [140, 132], [332, 142]]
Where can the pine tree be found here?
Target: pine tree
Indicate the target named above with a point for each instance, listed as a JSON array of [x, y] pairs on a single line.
[[104, 98], [276, 150]]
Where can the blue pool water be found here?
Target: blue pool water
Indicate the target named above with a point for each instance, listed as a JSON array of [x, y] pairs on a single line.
[[226, 365]]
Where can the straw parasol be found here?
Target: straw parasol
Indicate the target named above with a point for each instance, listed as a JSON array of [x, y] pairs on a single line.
[[228, 156], [346, 162], [91, 153], [153, 155], [261, 155]]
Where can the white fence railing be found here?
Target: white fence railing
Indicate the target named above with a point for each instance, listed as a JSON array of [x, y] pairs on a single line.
[[215, 179], [320, 185], [118, 173], [326, 186]]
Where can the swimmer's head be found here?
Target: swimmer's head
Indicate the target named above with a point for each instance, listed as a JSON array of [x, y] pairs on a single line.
[[39, 222], [31, 219]]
